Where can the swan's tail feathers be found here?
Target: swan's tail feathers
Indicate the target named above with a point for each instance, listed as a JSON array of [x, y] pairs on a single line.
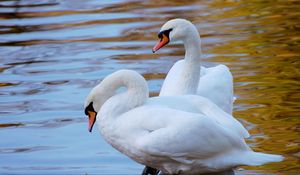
[[255, 158]]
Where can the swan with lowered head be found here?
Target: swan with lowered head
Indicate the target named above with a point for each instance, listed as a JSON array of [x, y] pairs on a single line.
[[187, 76], [166, 133]]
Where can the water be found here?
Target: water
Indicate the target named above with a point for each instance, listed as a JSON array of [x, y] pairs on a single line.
[[53, 52]]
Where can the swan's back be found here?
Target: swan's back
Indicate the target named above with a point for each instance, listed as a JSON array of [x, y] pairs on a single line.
[[216, 84], [201, 105], [174, 140]]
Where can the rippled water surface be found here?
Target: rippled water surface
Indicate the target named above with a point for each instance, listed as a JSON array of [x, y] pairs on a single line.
[[53, 52]]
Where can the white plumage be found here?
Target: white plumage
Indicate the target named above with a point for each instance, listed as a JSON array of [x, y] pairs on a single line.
[[187, 76], [172, 134]]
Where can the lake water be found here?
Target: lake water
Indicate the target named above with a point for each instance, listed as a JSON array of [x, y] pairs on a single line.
[[53, 52]]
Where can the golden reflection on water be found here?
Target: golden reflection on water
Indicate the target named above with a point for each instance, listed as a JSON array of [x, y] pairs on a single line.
[[60, 48], [267, 76]]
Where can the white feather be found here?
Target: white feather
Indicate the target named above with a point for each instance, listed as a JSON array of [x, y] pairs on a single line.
[[171, 134]]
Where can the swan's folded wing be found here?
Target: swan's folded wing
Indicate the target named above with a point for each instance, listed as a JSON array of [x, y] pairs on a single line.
[[184, 136], [208, 108], [216, 84]]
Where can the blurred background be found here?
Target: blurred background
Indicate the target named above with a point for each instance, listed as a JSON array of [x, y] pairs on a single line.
[[52, 52]]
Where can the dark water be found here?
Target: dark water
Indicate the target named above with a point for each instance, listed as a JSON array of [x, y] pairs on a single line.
[[53, 52]]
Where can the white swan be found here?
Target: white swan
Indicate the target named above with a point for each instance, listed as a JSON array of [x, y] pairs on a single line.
[[184, 77], [153, 132]]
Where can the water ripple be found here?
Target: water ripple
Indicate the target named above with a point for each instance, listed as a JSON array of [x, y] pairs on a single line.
[[52, 52]]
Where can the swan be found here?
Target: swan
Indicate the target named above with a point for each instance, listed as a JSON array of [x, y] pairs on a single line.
[[166, 133], [187, 76]]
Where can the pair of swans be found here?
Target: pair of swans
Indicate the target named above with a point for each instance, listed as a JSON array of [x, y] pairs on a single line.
[[188, 129]]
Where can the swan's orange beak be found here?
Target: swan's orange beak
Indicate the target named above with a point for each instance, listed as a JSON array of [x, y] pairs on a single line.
[[92, 119], [164, 40]]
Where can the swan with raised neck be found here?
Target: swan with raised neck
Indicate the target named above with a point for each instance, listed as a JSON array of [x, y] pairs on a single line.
[[183, 30], [187, 76]]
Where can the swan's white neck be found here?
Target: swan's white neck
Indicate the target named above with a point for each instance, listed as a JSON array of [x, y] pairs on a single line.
[[191, 70], [115, 104], [135, 94], [110, 101], [192, 47]]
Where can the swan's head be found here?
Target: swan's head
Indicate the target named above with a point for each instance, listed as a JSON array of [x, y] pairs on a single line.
[[99, 95], [174, 30], [114, 85], [93, 103]]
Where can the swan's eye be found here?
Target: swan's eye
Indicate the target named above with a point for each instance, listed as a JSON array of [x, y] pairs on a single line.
[[164, 40], [164, 32], [89, 108]]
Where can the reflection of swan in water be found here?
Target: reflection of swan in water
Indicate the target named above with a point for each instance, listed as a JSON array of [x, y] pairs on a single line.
[[187, 76], [167, 133]]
